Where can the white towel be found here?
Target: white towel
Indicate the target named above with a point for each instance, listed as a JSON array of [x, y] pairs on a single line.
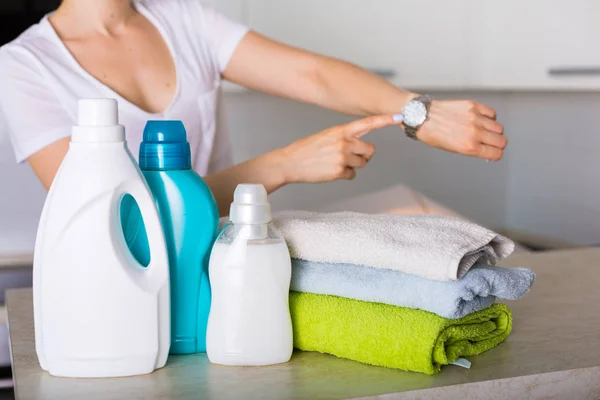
[[433, 247]]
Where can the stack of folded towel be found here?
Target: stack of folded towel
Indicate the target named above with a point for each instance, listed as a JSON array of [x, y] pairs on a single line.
[[413, 292]]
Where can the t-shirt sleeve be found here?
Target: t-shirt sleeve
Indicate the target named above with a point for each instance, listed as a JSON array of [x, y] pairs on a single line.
[[225, 35], [32, 115]]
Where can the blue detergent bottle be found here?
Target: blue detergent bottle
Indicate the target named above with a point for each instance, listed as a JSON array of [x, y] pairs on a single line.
[[190, 220]]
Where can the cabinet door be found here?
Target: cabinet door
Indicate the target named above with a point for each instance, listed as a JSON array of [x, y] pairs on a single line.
[[417, 44], [535, 44]]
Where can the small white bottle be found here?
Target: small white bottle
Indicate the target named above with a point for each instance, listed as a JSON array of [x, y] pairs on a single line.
[[250, 270], [97, 311]]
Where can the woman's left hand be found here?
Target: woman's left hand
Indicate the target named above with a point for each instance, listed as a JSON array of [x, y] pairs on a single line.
[[464, 127]]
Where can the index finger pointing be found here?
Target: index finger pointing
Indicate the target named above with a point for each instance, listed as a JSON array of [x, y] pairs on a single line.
[[363, 126]]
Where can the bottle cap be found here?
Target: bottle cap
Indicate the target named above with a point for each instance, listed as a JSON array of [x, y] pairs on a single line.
[[98, 122], [165, 147], [250, 205]]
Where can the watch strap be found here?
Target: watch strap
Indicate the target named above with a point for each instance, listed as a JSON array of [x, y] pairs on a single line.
[[411, 132]]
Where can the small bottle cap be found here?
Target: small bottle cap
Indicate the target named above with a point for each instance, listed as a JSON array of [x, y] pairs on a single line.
[[98, 112], [250, 205], [165, 147], [98, 122]]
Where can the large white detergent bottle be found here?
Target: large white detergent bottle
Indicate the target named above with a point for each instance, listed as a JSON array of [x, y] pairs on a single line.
[[97, 311], [250, 270]]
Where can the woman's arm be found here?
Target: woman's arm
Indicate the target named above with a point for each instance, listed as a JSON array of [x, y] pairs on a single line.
[[334, 153], [261, 64], [265, 169], [265, 65], [45, 163]]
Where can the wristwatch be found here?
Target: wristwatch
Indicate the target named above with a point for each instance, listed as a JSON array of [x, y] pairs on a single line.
[[415, 114]]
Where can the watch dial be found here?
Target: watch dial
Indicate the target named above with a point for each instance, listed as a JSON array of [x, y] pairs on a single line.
[[415, 113]]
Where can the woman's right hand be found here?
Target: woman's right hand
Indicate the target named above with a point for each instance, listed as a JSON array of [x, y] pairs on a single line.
[[332, 154]]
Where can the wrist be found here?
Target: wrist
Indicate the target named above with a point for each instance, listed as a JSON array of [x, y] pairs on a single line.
[[393, 103], [411, 96], [415, 114], [408, 96], [279, 168]]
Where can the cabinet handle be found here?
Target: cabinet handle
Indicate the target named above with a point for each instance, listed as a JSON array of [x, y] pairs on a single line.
[[574, 71], [383, 72]]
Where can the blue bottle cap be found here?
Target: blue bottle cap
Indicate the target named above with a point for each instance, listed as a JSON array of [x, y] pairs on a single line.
[[165, 147]]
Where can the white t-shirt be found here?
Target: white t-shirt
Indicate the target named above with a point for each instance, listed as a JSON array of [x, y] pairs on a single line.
[[41, 82]]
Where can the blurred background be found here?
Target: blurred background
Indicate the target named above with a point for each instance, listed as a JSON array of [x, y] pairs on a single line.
[[535, 61]]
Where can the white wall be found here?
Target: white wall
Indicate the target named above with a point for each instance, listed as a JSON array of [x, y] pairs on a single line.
[[547, 185]]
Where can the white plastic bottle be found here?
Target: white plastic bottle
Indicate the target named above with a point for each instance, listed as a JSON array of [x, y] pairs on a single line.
[[97, 311], [250, 270]]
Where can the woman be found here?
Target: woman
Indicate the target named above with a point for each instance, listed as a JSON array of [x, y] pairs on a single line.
[[166, 58]]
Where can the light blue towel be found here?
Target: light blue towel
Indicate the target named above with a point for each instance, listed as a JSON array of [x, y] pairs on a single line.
[[478, 288]]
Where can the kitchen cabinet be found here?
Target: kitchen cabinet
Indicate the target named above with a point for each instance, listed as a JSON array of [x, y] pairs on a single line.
[[460, 44], [416, 44], [535, 44]]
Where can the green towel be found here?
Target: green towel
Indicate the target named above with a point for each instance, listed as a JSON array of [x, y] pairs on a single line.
[[391, 336]]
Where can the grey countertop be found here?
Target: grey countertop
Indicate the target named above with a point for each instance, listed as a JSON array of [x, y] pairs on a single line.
[[553, 352]]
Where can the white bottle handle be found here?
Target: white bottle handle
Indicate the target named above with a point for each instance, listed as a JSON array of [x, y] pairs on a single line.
[[153, 277]]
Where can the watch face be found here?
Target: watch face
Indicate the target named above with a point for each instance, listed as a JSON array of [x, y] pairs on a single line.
[[415, 113]]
